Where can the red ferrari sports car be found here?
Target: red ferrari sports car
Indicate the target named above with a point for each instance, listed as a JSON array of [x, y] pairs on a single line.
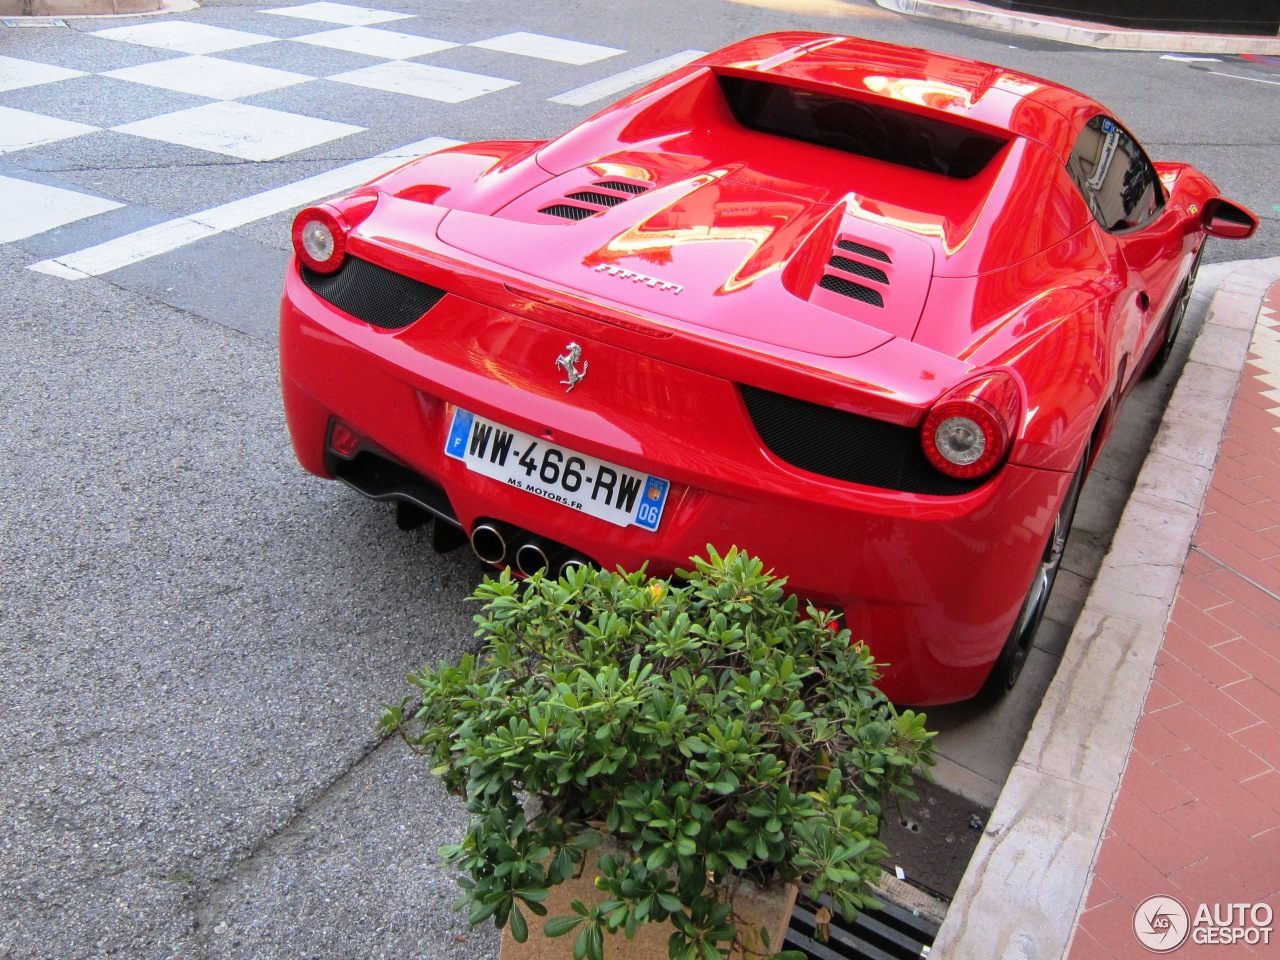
[[865, 311]]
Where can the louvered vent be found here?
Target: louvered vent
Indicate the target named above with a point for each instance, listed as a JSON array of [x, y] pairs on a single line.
[[610, 193], [842, 270]]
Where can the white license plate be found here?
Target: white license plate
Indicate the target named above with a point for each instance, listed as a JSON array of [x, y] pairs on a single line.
[[594, 487]]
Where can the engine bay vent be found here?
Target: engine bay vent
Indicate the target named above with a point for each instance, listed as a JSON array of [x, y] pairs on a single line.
[[587, 203], [842, 269]]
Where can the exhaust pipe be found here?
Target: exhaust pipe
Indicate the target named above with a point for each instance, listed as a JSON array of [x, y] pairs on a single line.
[[572, 564], [532, 556], [489, 543]]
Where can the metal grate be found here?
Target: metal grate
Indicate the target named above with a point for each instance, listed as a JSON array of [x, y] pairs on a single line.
[[855, 247], [847, 446], [568, 211], [599, 199], [374, 294], [864, 270], [890, 933], [847, 288], [622, 186]]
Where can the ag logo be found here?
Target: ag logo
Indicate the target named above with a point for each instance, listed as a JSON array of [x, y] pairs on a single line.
[[1161, 924]]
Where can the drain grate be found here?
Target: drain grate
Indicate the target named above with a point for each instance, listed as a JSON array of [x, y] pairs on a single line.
[[890, 933]]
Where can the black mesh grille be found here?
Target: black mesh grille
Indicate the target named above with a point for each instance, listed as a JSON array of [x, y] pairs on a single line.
[[374, 294], [620, 185], [847, 288], [846, 446], [863, 249], [568, 211], [599, 199], [864, 270]]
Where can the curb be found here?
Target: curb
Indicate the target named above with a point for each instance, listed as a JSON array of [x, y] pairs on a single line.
[[35, 13], [1082, 33], [1026, 884]]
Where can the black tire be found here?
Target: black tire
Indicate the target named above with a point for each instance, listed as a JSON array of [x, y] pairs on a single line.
[[1174, 323], [1008, 667]]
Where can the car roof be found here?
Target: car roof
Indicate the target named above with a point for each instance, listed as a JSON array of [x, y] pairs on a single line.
[[968, 91]]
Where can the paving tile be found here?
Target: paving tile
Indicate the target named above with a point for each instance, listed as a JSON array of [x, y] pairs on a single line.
[[210, 77], [1202, 882], [1225, 752], [1144, 781], [1258, 698], [1159, 698], [1219, 525], [1224, 711], [1085, 947], [1200, 594], [1238, 490], [1158, 839], [1111, 925], [1242, 591], [1154, 740], [1247, 515], [421, 80], [375, 43], [1198, 565], [1099, 893], [1265, 787], [1203, 626], [20, 130], [1259, 857], [342, 13], [548, 48], [16, 73], [1128, 873], [1252, 657], [239, 130], [1213, 832], [31, 208], [184, 37], [1213, 787], [1264, 740], [1200, 657]]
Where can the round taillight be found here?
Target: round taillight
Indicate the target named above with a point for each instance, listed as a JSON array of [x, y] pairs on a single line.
[[320, 239], [968, 432]]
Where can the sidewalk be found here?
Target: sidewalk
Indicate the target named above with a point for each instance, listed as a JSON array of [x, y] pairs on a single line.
[[1153, 767]]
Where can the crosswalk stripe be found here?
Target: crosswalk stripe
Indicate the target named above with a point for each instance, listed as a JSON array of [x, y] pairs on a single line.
[[163, 237], [581, 96]]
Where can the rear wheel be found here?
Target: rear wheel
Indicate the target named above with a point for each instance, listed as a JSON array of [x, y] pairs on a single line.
[[1174, 323], [1008, 668]]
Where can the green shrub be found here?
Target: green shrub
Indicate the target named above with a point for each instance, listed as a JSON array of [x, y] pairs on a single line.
[[709, 729]]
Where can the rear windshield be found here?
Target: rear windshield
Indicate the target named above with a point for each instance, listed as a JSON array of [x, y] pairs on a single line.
[[854, 126]]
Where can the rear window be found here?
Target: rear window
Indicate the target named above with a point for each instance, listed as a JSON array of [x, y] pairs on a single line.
[[872, 130]]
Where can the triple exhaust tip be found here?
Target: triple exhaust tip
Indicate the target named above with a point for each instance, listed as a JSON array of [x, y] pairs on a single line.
[[496, 543]]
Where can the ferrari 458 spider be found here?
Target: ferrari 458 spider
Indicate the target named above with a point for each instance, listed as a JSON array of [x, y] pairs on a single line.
[[867, 312]]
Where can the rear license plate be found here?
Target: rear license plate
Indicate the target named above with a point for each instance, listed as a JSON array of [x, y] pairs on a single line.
[[575, 480]]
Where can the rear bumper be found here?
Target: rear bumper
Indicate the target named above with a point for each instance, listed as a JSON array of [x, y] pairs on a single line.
[[932, 584]]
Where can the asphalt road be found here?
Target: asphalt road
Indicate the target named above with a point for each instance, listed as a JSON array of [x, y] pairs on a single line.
[[195, 635]]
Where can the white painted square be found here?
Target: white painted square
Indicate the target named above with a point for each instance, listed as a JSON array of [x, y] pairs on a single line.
[[31, 208], [20, 129], [209, 77], [376, 43], [16, 74], [239, 130], [184, 37], [548, 48], [338, 13], [420, 80]]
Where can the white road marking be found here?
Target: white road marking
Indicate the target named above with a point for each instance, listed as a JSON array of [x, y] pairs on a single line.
[[420, 80], [185, 37], [15, 73], [172, 234], [375, 43], [1274, 83], [548, 48], [581, 96], [239, 130], [31, 208], [209, 77], [20, 129], [1183, 58], [338, 13]]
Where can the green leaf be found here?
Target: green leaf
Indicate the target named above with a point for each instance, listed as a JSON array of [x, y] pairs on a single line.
[[559, 926], [519, 928]]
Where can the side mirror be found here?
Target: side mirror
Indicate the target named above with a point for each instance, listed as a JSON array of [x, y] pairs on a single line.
[[1222, 218]]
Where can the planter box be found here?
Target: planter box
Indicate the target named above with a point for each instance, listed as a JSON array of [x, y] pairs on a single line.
[[753, 908]]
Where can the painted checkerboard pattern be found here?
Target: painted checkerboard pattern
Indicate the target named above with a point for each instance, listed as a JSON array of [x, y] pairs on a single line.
[[191, 65]]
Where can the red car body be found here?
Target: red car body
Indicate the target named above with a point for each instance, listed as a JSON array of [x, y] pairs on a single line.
[[750, 283]]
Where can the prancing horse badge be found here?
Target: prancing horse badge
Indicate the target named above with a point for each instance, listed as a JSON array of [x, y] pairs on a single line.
[[568, 362]]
